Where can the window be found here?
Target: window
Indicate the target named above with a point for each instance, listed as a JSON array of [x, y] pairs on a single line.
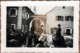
[[13, 26], [68, 31], [54, 30], [12, 12], [25, 15], [59, 18], [68, 18], [28, 16]]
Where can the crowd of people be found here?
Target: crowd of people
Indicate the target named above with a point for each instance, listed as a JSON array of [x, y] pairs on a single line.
[[17, 38], [52, 40]]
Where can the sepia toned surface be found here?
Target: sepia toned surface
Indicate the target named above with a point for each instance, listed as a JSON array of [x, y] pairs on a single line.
[[39, 0], [34, 0]]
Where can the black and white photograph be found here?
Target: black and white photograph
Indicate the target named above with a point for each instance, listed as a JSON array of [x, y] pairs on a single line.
[[42, 25], [26, 28]]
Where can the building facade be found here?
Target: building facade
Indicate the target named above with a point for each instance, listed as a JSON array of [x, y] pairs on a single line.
[[19, 17], [63, 16]]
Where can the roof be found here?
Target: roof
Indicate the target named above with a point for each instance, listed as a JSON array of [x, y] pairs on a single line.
[[28, 10], [51, 10]]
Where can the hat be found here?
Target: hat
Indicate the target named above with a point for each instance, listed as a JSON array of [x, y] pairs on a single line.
[[59, 25]]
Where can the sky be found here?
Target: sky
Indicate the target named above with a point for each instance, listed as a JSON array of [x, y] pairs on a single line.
[[42, 10]]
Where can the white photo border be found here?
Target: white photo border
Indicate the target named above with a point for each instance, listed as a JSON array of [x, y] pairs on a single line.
[[75, 4]]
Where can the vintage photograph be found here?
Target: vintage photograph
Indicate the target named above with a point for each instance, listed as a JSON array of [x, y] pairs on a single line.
[[39, 26], [30, 27]]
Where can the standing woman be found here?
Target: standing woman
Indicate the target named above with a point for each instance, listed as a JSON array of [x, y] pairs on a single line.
[[59, 39]]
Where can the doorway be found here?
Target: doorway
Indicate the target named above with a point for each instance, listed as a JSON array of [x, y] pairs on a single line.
[[68, 31]]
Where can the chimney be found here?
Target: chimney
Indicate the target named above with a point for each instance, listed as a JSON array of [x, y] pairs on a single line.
[[34, 10], [30, 7]]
